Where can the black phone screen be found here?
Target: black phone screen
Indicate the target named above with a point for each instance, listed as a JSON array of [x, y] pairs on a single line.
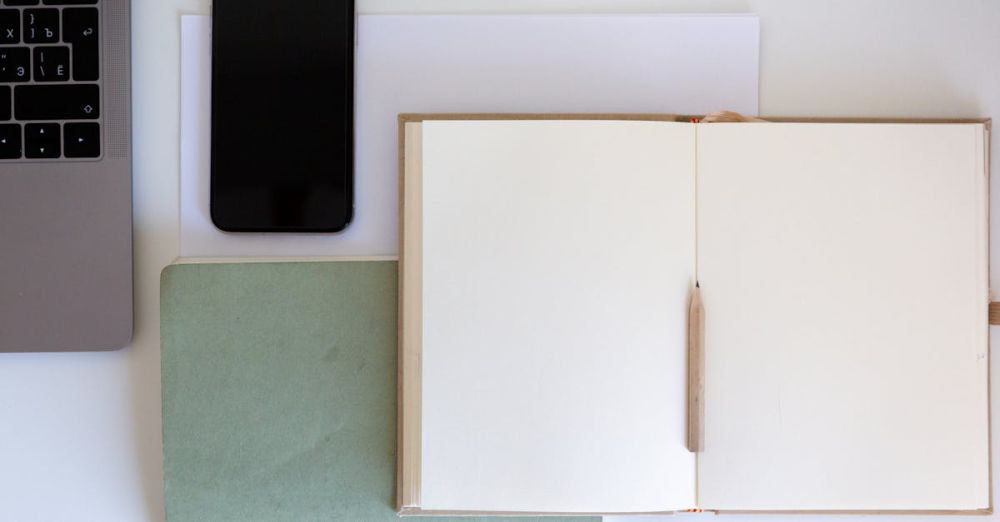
[[282, 115]]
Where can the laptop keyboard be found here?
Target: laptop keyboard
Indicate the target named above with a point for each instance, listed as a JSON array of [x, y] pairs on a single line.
[[50, 72]]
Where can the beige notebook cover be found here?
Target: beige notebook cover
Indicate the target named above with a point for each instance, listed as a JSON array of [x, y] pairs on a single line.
[[547, 263]]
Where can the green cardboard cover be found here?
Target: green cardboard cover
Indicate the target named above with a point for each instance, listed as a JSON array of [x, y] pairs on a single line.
[[279, 392]]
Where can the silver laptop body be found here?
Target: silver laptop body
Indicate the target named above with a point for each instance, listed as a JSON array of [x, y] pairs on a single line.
[[66, 221]]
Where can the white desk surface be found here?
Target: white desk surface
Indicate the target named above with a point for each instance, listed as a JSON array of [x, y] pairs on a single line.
[[90, 450]]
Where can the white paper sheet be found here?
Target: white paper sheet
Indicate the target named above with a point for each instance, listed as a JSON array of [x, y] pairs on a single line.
[[540, 63], [844, 273], [553, 325]]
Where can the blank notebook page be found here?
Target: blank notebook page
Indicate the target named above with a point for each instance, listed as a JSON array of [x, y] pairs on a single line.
[[557, 257], [844, 273]]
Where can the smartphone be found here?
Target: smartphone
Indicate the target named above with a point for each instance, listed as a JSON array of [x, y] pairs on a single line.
[[282, 115]]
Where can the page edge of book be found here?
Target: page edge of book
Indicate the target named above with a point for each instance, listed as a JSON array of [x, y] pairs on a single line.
[[408, 458]]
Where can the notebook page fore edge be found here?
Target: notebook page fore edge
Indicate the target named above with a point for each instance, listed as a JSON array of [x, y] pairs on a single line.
[[416, 511], [985, 154], [539, 116], [684, 118], [926, 512], [408, 455]]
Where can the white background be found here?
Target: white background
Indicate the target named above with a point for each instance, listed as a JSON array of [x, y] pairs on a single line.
[[64, 416]]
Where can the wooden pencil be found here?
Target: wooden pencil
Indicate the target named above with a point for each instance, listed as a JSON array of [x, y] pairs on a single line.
[[696, 372]]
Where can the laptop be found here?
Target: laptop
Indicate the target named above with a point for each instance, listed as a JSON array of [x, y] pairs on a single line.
[[65, 176]]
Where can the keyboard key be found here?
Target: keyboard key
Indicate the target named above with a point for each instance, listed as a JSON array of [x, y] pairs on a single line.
[[10, 141], [57, 102], [14, 63], [41, 25], [51, 64], [5, 103], [69, 2], [21, 2], [41, 140], [80, 24], [80, 28], [10, 26], [82, 140]]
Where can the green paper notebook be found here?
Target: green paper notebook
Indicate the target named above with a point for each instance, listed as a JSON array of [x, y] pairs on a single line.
[[279, 391]]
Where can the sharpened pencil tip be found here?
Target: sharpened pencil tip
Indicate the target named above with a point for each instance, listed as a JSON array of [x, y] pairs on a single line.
[[697, 284]]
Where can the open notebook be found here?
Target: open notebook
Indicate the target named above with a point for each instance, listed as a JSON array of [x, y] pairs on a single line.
[[547, 267]]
